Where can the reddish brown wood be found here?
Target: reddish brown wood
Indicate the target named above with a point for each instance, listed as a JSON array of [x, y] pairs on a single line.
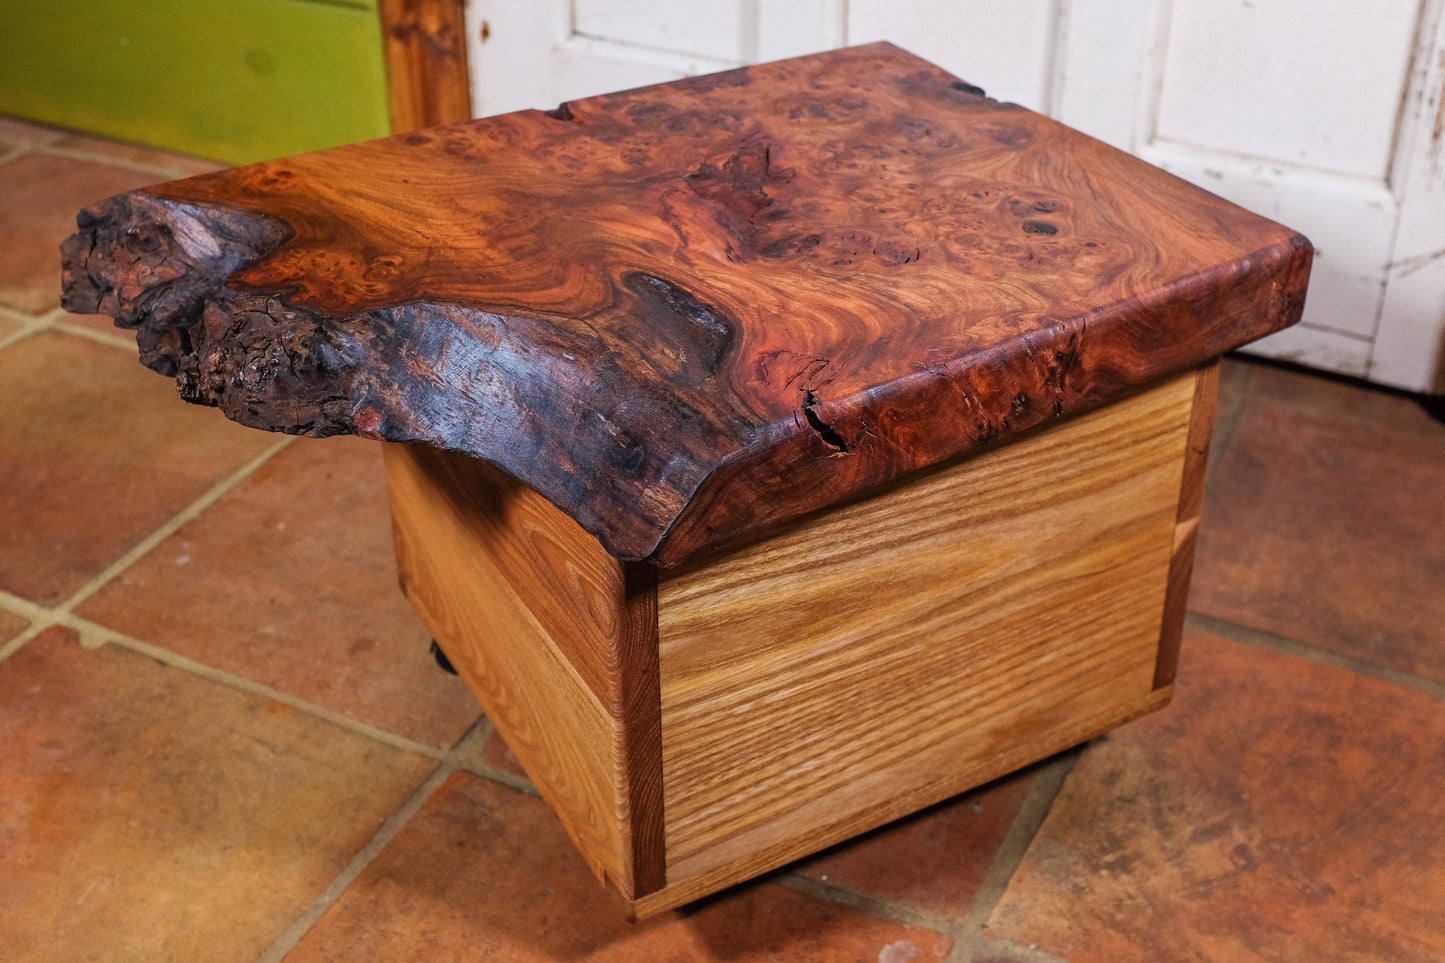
[[691, 310], [641, 714]]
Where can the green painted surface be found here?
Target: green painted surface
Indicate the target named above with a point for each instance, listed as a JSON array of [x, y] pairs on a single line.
[[234, 80]]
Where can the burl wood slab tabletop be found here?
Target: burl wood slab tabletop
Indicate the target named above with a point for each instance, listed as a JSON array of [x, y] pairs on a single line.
[[687, 311]]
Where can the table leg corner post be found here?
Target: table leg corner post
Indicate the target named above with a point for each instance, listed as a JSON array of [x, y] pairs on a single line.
[[1191, 500]]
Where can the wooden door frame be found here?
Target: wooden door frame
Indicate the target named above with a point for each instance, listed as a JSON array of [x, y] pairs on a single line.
[[425, 45]]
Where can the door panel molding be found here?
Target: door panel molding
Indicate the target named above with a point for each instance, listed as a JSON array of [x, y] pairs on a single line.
[[1409, 343], [1370, 232], [1377, 301]]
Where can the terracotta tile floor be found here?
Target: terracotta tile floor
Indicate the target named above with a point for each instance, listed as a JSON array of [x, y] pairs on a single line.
[[221, 736]]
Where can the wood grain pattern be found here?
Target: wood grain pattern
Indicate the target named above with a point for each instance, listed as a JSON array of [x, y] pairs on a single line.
[[1186, 523], [555, 637], [893, 652], [689, 311], [426, 62]]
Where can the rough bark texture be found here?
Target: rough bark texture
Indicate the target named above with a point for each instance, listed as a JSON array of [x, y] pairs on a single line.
[[687, 311]]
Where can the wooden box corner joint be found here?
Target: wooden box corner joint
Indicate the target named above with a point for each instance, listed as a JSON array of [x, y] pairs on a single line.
[[698, 726], [774, 453]]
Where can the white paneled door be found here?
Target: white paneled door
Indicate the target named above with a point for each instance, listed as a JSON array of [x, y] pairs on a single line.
[[1325, 114]]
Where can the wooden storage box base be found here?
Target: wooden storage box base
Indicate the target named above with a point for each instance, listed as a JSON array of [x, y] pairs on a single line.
[[696, 727]]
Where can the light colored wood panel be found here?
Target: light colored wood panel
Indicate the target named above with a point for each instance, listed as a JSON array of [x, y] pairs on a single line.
[[888, 808], [901, 649], [571, 587], [536, 618]]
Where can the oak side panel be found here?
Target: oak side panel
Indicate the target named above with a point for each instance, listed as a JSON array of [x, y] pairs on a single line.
[[1191, 501], [899, 650], [556, 639]]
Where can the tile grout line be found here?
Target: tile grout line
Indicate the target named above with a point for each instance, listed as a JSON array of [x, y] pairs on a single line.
[[222, 677], [450, 764], [463, 756], [47, 317], [388, 831], [26, 330], [43, 617], [177, 521], [22, 317], [873, 906], [23, 607], [39, 617], [94, 635], [30, 324], [500, 776], [1048, 783], [967, 933], [971, 940], [1263, 639], [988, 948], [971, 943], [113, 338]]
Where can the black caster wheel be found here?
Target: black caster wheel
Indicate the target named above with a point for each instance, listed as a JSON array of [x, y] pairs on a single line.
[[441, 657]]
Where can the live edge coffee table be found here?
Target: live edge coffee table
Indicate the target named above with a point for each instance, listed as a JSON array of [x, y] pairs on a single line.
[[774, 453]]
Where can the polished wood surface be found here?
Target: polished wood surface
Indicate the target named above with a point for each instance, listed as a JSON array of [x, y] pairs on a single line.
[[686, 312], [557, 639], [890, 653]]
